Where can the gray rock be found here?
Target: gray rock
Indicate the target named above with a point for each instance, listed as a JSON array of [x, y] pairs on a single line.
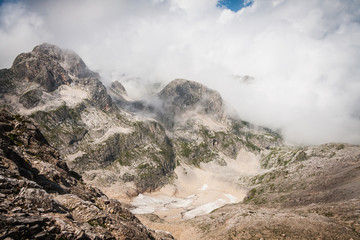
[[60, 205], [31, 98], [183, 95]]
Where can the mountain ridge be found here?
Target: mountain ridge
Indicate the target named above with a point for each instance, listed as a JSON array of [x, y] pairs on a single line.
[[127, 147], [77, 115], [43, 199]]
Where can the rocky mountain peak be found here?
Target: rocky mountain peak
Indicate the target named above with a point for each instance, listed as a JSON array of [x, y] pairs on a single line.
[[50, 66], [117, 91], [181, 95], [59, 72]]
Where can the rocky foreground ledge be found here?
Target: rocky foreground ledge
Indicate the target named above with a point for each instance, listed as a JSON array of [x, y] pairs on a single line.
[[40, 198]]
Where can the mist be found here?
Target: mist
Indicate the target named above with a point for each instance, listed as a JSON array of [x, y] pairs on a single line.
[[302, 57]]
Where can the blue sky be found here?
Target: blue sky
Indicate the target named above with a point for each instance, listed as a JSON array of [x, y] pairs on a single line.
[[2, 1], [234, 5]]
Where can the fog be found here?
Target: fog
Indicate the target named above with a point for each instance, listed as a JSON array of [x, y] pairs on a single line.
[[302, 56]]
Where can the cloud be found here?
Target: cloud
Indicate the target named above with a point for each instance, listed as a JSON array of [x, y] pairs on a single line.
[[303, 56]]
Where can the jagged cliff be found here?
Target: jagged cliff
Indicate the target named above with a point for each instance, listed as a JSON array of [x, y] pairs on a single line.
[[202, 130], [113, 140], [72, 108], [42, 199]]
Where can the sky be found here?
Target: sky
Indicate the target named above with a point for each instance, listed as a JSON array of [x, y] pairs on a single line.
[[234, 5], [285, 64]]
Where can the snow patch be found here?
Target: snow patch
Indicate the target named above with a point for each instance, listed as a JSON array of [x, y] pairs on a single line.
[[204, 187], [72, 157], [112, 131], [147, 204], [198, 191], [71, 96], [231, 198], [201, 120], [204, 209]]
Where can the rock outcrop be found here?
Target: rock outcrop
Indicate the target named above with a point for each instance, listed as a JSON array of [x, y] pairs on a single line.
[[122, 143], [181, 96], [42, 199], [306, 193], [202, 130], [48, 67], [77, 116], [117, 91]]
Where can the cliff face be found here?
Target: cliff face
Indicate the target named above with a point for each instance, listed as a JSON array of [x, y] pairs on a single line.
[[115, 141], [42, 199], [76, 115], [48, 67], [202, 130], [181, 96]]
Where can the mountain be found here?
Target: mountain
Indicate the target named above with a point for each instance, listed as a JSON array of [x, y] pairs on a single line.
[[114, 141], [76, 115], [202, 130], [305, 193], [42, 199], [64, 136]]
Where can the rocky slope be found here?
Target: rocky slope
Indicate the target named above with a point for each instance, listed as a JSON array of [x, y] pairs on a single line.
[[42, 199], [72, 108], [201, 128], [196, 121], [126, 147], [115, 141], [310, 192], [302, 193]]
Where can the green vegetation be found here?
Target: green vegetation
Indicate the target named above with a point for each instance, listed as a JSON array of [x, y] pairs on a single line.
[[276, 135], [14, 138], [227, 143], [124, 161], [266, 177], [283, 157], [195, 154], [340, 146], [185, 149], [18, 117], [205, 228], [251, 194], [328, 214], [62, 126], [95, 223], [301, 156], [206, 133], [144, 166], [252, 146]]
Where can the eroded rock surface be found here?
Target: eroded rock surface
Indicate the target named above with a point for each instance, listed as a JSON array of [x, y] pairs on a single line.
[[42, 199], [72, 108]]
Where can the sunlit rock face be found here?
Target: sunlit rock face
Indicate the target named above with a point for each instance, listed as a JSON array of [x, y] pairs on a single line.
[[201, 128], [47, 68], [70, 104], [181, 96], [42, 199], [114, 141]]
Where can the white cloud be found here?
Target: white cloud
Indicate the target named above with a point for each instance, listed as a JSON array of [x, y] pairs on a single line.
[[304, 55]]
